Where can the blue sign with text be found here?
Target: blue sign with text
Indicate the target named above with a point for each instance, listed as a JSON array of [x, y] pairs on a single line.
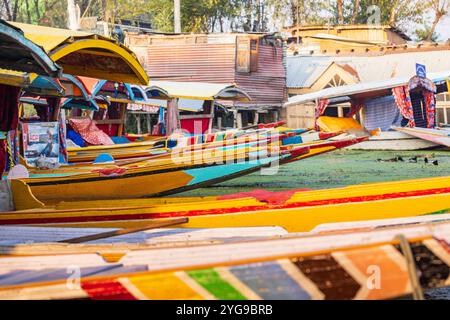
[[421, 70]]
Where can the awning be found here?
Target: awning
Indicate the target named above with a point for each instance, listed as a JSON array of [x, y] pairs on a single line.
[[14, 78], [20, 54], [115, 91], [355, 90], [195, 91], [67, 86], [87, 54], [71, 103]]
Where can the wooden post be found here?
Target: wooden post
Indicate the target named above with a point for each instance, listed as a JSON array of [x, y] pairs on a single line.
[[123, 112], [138, 123], [256, 119], [149, 123], [239, 120], [219, 123], [211, 115]]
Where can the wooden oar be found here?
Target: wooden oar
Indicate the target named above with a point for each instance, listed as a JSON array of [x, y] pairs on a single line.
[[120, 232]]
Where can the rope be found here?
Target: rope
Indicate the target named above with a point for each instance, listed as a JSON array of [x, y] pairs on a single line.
[[411, 265], [10, 155]]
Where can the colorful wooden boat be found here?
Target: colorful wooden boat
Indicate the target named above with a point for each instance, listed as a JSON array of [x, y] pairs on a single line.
[[148, 150], [139, 180], [394, 141], [32, 240], [142, 148], [438, 137], [295, 211], [375, 264], [174, 175]]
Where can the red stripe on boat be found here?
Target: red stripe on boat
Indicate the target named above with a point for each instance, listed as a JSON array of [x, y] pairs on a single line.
[[192, 213], [106, 290]]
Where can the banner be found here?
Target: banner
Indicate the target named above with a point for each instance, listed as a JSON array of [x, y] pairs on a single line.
[[41, 143]]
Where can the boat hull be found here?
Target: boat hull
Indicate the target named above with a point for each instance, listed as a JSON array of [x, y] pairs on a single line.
[[301, 211], [439, 137], [394, 141]]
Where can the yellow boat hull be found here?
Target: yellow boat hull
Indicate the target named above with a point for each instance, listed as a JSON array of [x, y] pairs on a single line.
[[301, 212]]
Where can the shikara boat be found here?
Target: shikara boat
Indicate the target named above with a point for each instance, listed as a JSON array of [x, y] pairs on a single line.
[[369, 264], [294, 210], [157, 146], [152, 179], [439, 137], [173, 175]]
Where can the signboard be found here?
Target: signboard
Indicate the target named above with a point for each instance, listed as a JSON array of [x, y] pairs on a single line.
[[421, 70], [41, 141]]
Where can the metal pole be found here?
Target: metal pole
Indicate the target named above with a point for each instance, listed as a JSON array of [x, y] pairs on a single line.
[[177, 15]]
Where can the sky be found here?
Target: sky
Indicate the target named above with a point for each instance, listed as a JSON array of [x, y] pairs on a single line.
[[443, 28]]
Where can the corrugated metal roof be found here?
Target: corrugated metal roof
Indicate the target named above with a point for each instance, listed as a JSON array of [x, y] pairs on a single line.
[[369, 69], [353, 89], [303, 71]]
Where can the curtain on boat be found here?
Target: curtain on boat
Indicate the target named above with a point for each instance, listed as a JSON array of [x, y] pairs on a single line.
[[428, 89], [320, 109], [9, 107], [355, 106], [403, 101], [381, 113], [172, 119]]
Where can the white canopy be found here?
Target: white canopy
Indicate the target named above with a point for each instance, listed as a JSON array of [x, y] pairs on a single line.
[[358, 88]]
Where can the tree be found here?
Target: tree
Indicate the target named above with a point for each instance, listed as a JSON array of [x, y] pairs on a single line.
[[398, 13], [340, 11], [422, 34], [440, 8]]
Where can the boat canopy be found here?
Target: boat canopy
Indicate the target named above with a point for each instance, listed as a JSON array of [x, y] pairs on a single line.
[[15, 78], [87, 54], [347, 92], [20, 54], [195, 91], [68, 86]]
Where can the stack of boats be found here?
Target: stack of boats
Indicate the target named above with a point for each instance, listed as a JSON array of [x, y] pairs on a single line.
[[99, 226]]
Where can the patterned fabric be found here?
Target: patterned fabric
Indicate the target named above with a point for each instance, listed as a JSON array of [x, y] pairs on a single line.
[[3, 156], [403, 101], [12, 148], [418, 82], [62, 138], [90, 132], [430, 103], [381, 113], [320, 109], [428, 89], [159, 129], [356, 105]]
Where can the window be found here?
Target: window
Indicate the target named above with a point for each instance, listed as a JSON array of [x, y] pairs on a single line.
[[336, 81], [247, 55], [243, 55]]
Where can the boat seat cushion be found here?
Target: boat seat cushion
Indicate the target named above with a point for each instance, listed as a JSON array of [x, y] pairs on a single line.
[[334, 124], [120, 140]]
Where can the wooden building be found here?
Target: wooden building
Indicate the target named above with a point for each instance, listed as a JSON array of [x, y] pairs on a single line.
[[311, 72], [254, 62], [376, 34]]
